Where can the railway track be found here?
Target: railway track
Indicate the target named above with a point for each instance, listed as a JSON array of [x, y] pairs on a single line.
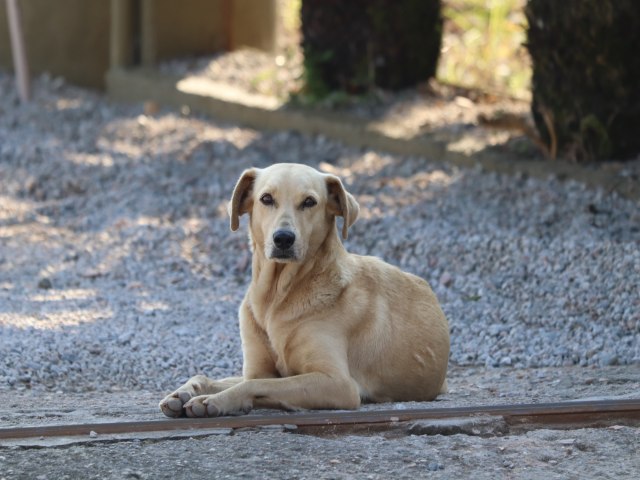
[[576, 414]]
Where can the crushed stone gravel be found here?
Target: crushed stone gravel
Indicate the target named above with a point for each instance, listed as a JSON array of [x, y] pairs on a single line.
[[118, 269], [541, 454]]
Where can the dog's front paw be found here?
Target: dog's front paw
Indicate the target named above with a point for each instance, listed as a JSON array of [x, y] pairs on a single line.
[[202, 406], [173, 404], [214, 406]]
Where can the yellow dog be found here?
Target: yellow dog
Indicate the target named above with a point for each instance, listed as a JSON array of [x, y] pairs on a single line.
[[320, 327]]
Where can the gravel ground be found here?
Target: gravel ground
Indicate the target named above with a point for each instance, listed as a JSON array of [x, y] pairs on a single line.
[[482, 447], [608, 453], [118, 270]]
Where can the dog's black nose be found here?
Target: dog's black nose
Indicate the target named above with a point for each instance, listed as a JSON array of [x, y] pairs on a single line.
[[283, 239]]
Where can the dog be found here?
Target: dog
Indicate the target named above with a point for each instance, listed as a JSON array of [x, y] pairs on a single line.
[[321, 328]]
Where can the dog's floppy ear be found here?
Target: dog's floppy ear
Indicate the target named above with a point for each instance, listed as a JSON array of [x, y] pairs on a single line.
[[241, 199], [341, 203]]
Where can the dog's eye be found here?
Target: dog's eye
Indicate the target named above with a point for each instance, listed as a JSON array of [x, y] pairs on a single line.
[[266, 199], [309, 202]]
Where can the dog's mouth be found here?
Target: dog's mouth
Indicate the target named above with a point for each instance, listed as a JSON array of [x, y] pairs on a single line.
[[285, 255]]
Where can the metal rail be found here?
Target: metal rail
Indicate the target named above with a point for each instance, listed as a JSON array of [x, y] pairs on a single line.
[[583, 413]]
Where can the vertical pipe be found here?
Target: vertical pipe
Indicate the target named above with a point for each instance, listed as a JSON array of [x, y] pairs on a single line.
[[19, 51]]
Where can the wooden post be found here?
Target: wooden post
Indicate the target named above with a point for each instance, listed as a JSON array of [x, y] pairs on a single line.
[[122, 30], [19, 51], [148, 34]]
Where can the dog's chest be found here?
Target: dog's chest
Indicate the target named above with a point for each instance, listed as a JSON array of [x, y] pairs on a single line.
[[278, 336]]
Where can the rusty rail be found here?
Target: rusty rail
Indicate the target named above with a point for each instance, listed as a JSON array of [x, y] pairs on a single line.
[[582, 413]]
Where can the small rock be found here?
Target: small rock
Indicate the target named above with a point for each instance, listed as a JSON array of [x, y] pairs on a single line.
[[57, 83], [567, 441], [446, 279], [608, 360], [95, 349], [151, 108], [463, 102], [131, 474], [45, 284], [505, 362]]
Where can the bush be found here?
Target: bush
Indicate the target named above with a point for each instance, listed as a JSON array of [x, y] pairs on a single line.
[[357, 44], [586, 76]]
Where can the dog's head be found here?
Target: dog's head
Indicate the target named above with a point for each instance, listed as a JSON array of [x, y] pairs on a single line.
[[292, 209]]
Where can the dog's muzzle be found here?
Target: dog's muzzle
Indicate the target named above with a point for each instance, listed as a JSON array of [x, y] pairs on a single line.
[[283, 241]]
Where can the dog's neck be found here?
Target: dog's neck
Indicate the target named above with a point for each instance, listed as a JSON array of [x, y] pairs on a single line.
[[271, 281]]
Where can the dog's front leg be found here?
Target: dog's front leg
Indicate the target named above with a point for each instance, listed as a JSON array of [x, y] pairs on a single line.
[[307, 391]]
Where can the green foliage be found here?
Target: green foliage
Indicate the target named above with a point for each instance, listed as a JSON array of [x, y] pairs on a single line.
[[586, 76], [358, 44], [315, 85], [483, 46]]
